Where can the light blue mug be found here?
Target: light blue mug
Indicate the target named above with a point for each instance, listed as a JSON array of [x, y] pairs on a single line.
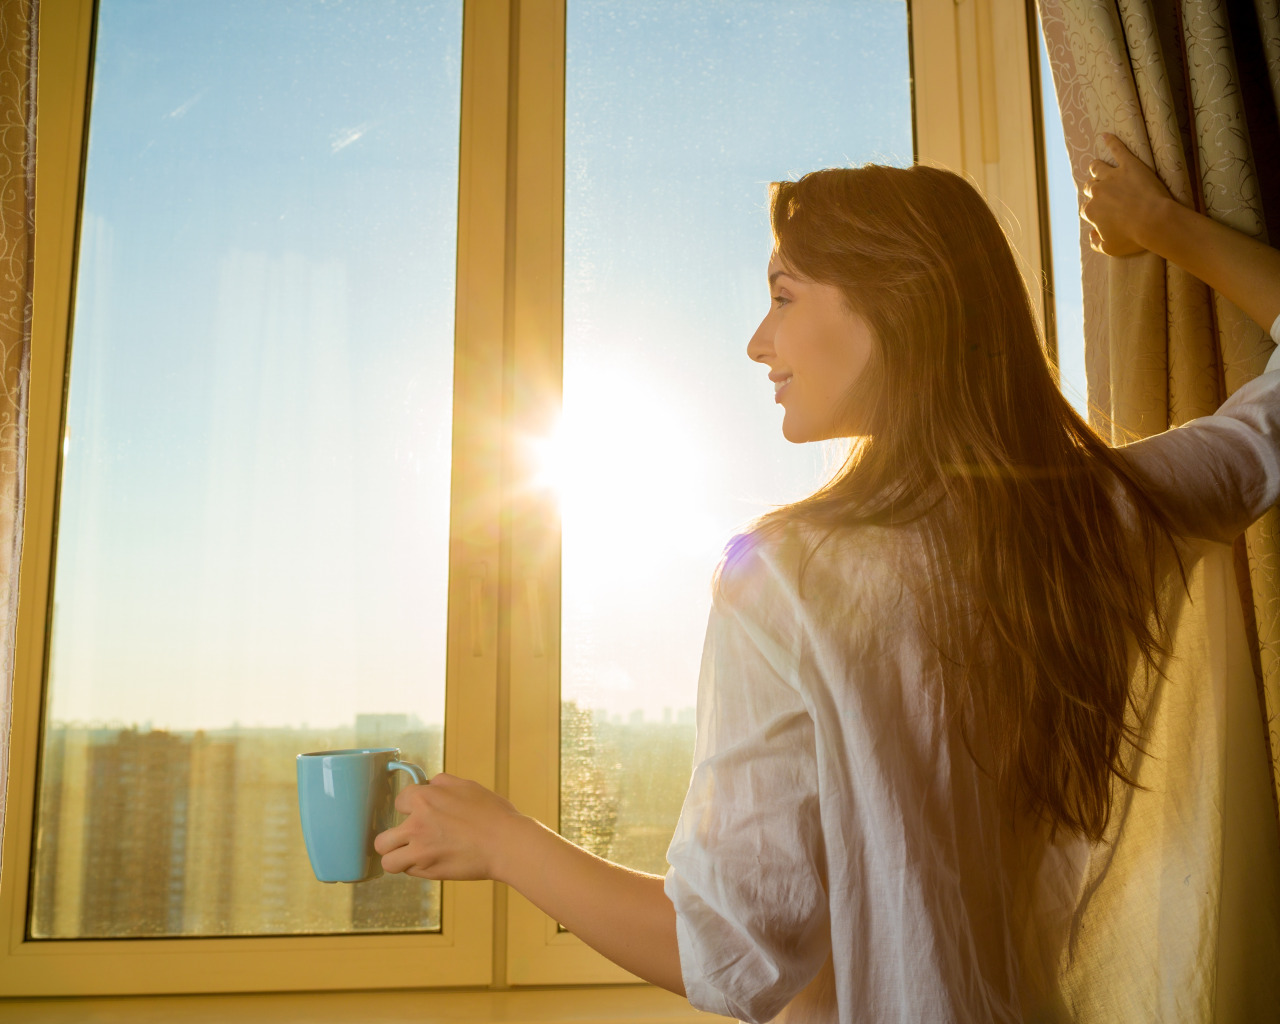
[[345, 799]]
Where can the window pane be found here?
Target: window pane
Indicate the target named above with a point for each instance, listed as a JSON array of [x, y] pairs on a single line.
[[1065, 227], [252, 545], [678, 115]]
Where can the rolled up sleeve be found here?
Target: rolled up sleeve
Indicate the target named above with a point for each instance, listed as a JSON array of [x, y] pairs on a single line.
[[1215, 475], [747, 875]]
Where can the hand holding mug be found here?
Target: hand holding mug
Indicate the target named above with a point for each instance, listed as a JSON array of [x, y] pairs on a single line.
[[453, 829]]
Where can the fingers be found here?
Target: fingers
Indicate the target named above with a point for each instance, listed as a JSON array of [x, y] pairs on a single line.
[[391, 839], [405, 799], [411, 847], [399, 851], [1118, 151], [402, 859], [1099, 170], [1112, 147]]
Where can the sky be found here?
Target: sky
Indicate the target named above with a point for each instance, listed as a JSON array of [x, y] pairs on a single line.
[[677, 118], [255, 490], [255, 494]]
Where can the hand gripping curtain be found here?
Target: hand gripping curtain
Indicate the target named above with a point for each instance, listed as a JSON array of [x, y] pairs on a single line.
[[1179, 918], [17, 236]]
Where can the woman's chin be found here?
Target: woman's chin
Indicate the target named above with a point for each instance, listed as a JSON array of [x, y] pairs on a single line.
[[795, 432]]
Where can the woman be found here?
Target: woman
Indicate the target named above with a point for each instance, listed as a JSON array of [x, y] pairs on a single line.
[[923, 684]]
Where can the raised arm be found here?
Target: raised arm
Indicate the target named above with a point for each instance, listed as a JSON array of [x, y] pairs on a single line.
[[1131, 212], [1214, 475]]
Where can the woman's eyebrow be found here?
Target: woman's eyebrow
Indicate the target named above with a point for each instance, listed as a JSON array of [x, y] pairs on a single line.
[[773, 278]]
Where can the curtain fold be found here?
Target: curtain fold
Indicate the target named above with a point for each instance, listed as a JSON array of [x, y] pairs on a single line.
[[17, 250], [1182, 916]]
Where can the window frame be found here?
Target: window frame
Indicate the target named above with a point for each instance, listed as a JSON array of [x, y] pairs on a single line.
[[461, 952], [974, 64]]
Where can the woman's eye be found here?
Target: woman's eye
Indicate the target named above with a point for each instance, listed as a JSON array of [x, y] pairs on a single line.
[[781, 300]]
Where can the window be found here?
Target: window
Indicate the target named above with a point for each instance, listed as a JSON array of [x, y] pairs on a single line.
[[252, 547], [500, 440], [1064, 216]]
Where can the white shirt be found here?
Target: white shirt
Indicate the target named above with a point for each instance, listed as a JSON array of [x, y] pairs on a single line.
[[839, 855]]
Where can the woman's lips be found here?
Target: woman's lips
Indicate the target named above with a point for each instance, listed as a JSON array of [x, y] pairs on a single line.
[[779, 386]]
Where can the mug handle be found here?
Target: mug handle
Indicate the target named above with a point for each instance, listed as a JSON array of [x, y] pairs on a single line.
[[418, 776]]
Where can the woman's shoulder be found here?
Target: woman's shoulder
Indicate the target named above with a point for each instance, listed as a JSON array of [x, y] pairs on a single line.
[[759, 566], [806, 566]]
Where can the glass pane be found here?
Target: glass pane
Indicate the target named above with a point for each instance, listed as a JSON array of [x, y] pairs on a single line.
[[678, 114], [252, 545], [1065, 227]]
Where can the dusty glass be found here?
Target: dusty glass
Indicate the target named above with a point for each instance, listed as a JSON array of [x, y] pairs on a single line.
[[252, 532]]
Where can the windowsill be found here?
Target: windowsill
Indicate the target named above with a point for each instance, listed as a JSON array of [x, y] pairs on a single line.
[[612, 1005]]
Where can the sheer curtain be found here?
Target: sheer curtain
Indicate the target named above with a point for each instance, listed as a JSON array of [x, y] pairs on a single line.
[[17, 210], [1181, 916]]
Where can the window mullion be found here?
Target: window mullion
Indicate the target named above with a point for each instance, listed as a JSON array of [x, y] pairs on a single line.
[[537, 951]]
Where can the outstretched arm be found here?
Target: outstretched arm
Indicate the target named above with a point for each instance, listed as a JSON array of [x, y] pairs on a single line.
[[457, 829], [1215, 475], [1131, 211]]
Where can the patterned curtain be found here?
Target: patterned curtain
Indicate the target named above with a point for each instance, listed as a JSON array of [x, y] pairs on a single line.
[[1192, 878], [17, 210]]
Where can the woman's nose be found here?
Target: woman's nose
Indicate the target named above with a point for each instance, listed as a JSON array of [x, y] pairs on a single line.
[[760, 347]]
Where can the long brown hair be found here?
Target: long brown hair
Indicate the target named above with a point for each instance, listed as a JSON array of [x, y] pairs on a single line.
[[1052, 594]]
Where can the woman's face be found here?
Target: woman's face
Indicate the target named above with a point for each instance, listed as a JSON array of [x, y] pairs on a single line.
[[816, 348]]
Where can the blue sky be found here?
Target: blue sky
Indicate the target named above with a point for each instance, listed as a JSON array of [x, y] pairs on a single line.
[[255, 491]]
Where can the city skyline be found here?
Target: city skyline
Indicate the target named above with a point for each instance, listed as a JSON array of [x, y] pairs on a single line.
[[158, 833], [152, 833]]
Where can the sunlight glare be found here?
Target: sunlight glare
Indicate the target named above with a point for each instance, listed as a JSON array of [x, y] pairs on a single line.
[[623, 464]]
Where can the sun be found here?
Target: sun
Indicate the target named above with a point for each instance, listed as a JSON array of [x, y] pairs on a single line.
[[625, 467]]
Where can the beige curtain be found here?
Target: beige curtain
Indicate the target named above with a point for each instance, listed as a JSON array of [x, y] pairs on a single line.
[[1181, 912], [17, 233]]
